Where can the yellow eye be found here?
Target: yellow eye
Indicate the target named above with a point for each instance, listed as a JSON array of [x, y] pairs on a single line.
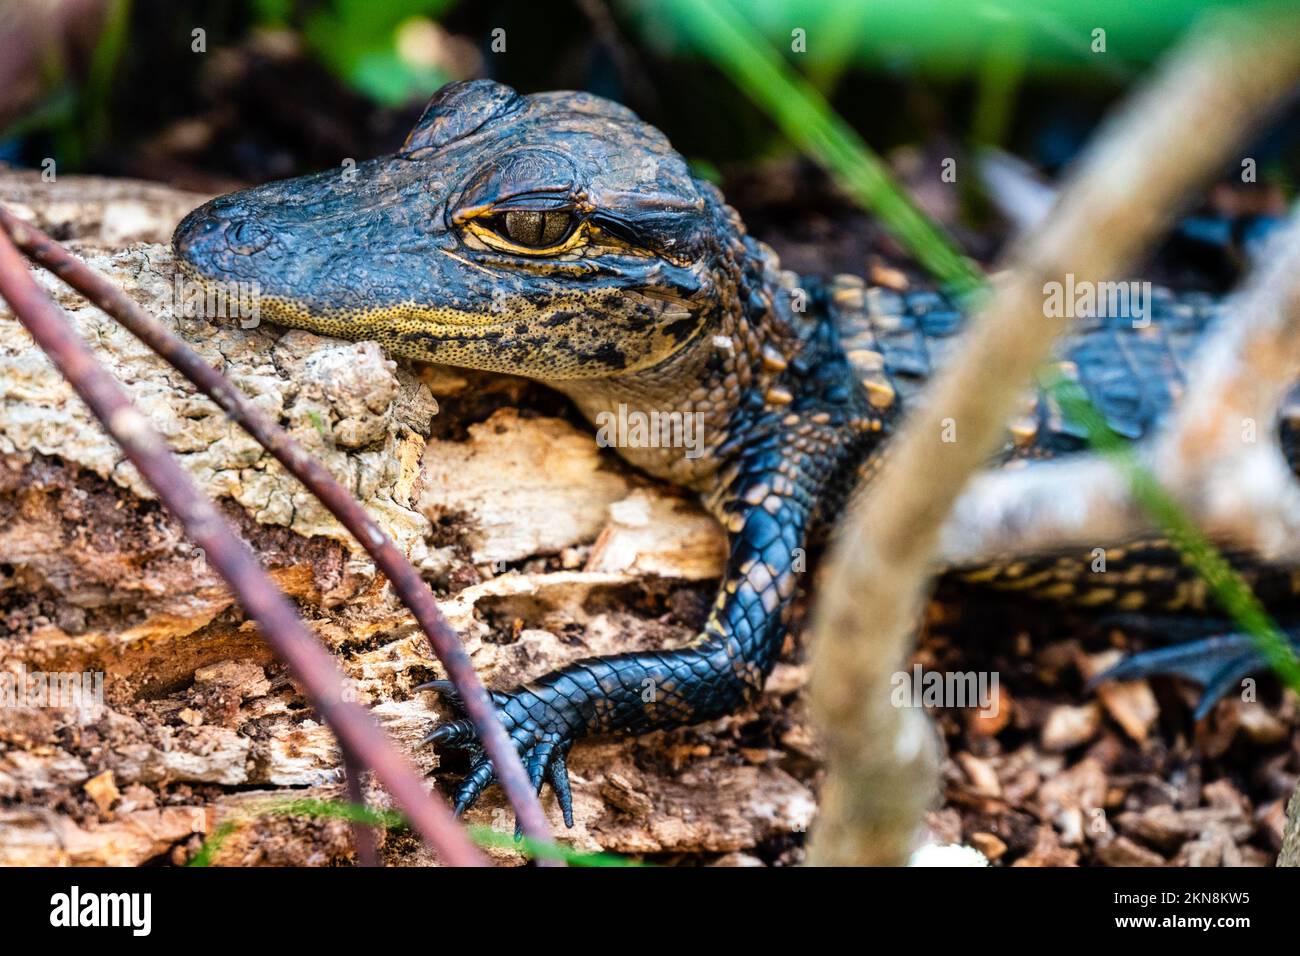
[[528, 232], [544, 232], [537, 230]]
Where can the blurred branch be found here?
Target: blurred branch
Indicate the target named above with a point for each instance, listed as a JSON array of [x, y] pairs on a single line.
[[406, 581], [1168, 140], [1237, 488], [1210, 455], [358, 734]]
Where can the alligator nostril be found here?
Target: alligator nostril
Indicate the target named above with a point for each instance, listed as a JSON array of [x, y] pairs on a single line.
[[194, 231], [247, 237]]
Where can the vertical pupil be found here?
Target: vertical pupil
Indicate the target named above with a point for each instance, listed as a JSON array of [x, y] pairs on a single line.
[[524, 228], [538, 229], [554, 226]]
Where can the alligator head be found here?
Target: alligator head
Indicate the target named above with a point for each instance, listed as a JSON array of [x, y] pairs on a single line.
[[554, 236]]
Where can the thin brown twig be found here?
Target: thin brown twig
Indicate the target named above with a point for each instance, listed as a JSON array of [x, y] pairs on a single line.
[[406, 581], [358, 734]]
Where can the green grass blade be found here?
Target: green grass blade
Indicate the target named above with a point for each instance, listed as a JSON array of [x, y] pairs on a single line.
[[392, 820], [487, 837], [805, 117]]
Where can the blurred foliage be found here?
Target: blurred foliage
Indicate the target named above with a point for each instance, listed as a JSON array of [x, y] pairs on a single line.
[[954, 37], [995, 69], [804, 116], [360, 40], [75, 113]]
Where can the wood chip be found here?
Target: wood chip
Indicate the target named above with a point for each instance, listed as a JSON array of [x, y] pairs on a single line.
[[988, 844], [1068, 726], [983, 778], [1048, 852], [737, 859], [103, 790], [991, 722], [622, 793], [1122, 851], [1260, 724], [1132, 705], [245, 677], [1271, 818]]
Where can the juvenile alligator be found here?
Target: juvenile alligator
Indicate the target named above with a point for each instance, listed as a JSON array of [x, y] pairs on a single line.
[[558, 237]]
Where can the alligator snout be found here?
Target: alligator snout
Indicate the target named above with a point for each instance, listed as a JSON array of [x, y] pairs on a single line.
[[218, 240]]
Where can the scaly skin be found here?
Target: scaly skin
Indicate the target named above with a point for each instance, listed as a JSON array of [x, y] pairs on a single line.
[[558, 237]]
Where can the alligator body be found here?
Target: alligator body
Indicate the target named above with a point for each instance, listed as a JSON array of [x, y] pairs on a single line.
[[558, 237]]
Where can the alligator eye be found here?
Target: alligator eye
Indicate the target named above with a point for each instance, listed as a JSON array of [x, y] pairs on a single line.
[[537, 229]]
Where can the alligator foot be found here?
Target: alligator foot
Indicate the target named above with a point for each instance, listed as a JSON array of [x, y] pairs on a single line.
[[1216, 663], [540, 727]]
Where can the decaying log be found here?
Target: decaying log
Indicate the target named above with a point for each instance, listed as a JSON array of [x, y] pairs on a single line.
[[542, 547]]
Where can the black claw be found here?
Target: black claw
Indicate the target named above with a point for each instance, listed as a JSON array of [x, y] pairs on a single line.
[[447, 691], [444, 687], [458, 733], [481, 776], [541, 743], [559, 774], [1222, 683]]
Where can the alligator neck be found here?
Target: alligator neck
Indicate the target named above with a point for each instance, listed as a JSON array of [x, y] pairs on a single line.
[[736, 359]]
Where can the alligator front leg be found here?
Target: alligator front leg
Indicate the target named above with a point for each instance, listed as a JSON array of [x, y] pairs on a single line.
[[639, 692]]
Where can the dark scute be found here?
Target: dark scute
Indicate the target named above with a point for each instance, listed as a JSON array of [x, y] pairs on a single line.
[[607, 356], [681, 330], [457, 110]]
